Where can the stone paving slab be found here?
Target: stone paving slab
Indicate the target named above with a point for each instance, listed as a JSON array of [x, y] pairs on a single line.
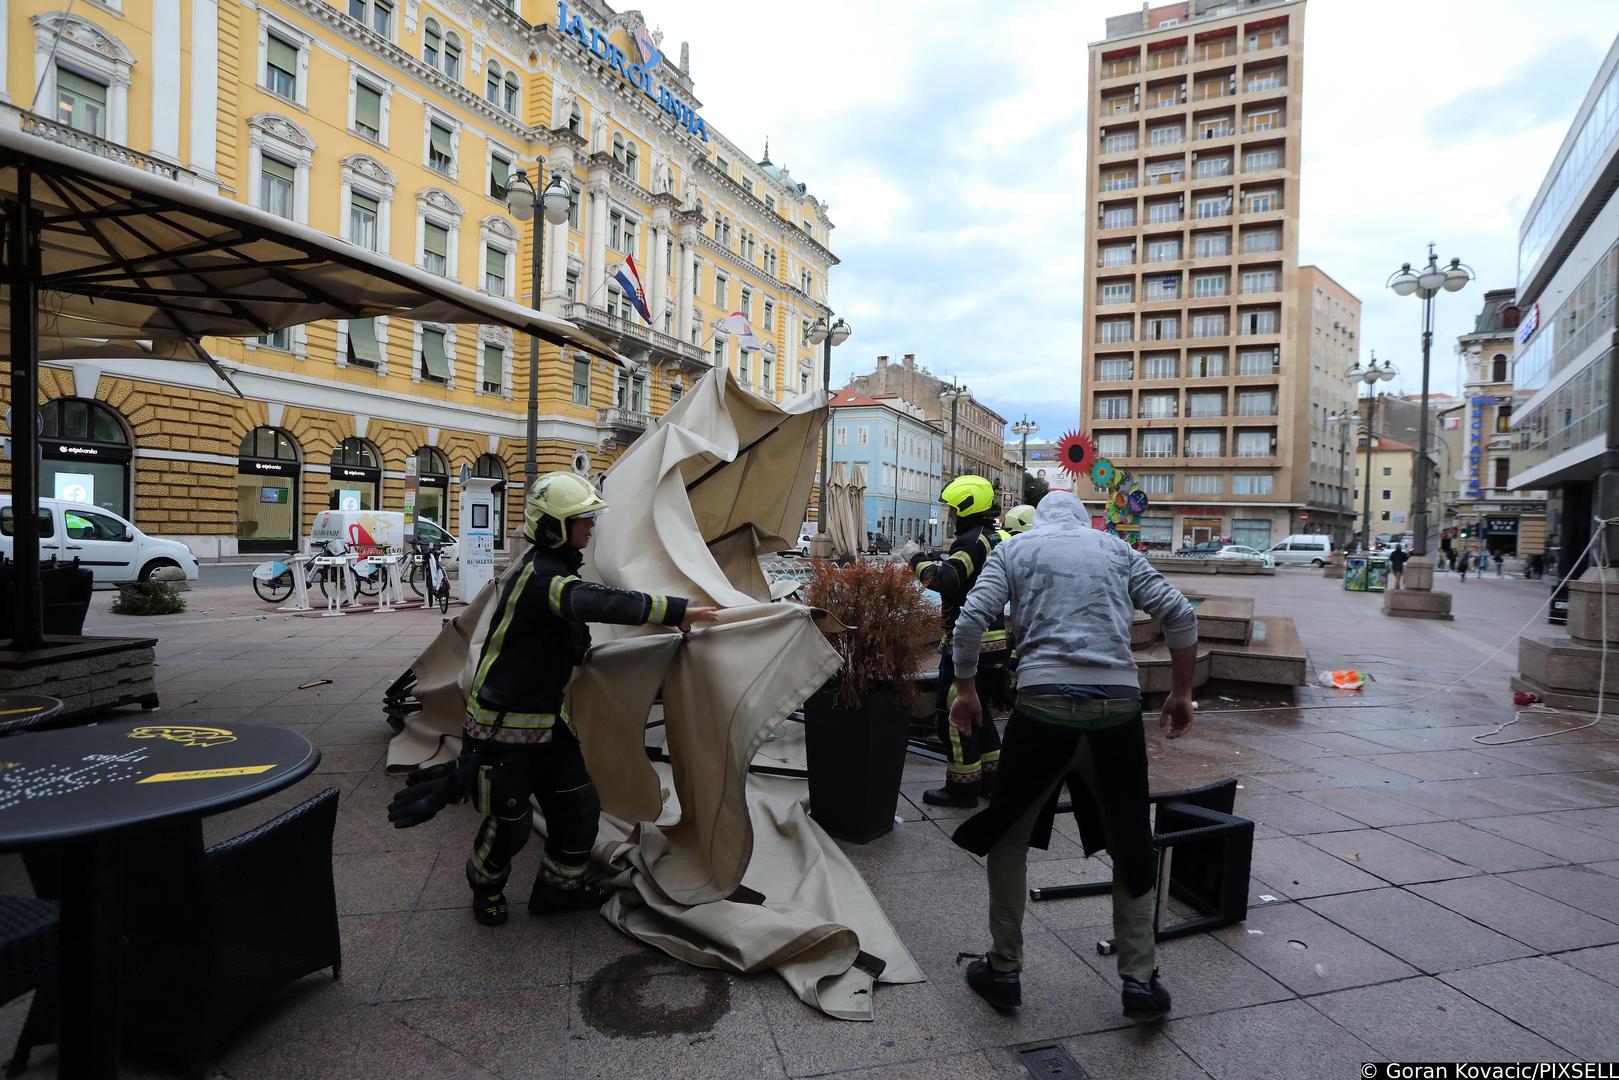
[[1426, 1020], [1545, 924], [1396, 861], [1473, 847], [1422, 933], [1307, 953], [1286, 1040], [1557, 1002]]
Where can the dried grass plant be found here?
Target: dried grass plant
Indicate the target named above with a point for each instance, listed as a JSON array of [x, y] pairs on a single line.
[[891, 624]]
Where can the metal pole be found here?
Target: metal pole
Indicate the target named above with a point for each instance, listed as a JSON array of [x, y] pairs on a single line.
[[1343, 469], [536, 267], [826, 432], [1366, 505], [955, 399], [893, 531], [22, 266], [1419, 515]]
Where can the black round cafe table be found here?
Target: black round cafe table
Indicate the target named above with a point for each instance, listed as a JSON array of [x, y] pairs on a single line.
[[85, 789], [23, 712]]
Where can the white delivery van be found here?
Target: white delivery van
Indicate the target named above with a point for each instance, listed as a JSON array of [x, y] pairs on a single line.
[[1303, 549], [365, 530], [112, 549]]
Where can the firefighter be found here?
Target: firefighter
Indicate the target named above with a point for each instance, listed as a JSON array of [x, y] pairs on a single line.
[[975, 754], [517, 713], [1019, 519]]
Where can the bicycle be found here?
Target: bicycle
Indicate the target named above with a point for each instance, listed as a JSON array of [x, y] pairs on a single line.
[[425, 558], [273, 580]]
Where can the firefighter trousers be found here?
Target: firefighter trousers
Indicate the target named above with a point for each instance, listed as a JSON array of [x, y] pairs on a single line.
[[974, 755], [554, 774]]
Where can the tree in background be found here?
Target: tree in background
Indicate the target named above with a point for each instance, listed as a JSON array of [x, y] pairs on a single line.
[[1034, 489]]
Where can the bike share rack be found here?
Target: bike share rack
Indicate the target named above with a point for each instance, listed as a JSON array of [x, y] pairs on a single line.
[[342, 595], [300, 588]]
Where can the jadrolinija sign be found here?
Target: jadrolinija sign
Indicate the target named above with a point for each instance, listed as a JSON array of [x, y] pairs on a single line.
[[638, 74]]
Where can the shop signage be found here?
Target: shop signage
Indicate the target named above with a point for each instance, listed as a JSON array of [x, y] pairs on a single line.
[[83, 452], [639, 75], [1475, 445], [343, 472], [1501, 526], [1530, 323], [271, 468]]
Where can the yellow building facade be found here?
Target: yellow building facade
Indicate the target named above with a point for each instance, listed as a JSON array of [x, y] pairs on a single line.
[[399, 127]]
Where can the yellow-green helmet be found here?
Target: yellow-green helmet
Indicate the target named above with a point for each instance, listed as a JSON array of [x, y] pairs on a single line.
[[554, 500], [1018, 519], [969, 495]]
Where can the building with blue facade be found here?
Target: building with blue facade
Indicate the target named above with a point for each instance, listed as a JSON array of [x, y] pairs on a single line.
[[903, 454]]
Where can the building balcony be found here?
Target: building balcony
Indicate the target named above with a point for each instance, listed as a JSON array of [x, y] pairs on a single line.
[[63, 135], [629, 336], [622, 423]]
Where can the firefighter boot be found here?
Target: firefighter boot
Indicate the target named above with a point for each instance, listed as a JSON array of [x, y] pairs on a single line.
[[953, 794]]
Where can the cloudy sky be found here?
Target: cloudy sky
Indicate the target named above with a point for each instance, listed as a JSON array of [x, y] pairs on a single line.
[[949, 138]]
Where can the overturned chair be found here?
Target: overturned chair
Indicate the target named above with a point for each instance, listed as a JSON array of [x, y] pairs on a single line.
[[1204, 855]]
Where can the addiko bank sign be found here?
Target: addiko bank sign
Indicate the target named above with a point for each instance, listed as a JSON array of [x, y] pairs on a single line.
[[639, 74]]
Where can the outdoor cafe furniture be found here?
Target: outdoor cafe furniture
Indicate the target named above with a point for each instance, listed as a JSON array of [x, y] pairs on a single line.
[[107, 799], [26, 712]]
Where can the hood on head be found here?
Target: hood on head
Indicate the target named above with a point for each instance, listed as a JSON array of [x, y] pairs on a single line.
[[1061, 508]]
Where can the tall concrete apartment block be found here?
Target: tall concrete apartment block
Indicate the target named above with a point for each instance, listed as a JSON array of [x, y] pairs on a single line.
[[1204, 372]]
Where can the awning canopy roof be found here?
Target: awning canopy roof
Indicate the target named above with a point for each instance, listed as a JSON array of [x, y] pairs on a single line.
[[133, 264]]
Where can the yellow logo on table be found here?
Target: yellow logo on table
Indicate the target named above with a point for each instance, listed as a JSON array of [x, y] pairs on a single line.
[[205, 774], [185, 736]]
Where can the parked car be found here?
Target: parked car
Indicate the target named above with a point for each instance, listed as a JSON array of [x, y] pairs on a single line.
[[1205, 549], [112, 549], [1303, 549], [1240, 551]]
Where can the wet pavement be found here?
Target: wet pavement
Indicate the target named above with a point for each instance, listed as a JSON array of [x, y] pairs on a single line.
[[1421, 888]]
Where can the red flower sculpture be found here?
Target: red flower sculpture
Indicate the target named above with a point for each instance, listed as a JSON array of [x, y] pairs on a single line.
[[1076, 454]]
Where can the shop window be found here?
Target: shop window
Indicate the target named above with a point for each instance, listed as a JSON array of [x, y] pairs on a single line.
[[85, 453], [491, 467], [433, 485], [267, 500], [356, 476]]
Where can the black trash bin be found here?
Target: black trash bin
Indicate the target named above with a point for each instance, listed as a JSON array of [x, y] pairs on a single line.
[[64, 593]]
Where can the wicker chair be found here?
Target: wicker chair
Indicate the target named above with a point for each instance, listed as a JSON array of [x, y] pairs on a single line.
[[28, 952]]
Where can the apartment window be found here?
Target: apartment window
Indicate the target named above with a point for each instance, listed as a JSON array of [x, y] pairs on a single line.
[[363, 215], [1271, 38], [1203, 484], [1209, 324], [277, 339], [1118, 181], [1253, 484], [280, 68], [1269, 80], [618, 305], [1118, 217], [1257, 362], [376, 14], [1211, 245], [432, 43], [842, 437], [769, 319], [1259, 281], [1256, 403], [364, 348], [1503, 422], [771, 262], [1208, 285], [1205, 444], [1164, 287], [1117, 106], [1265, 120], [1113, 445], [1211, 206], [277, 182], [1253, 444], [436, 249], [492, 375], [1157, 483], [573, 208], [719, 350], [1118, 292], [745, 305], [1113, 406], [1209, 167], [1161, 328], [495, 271], [1163, 213], [571, 286], [1116, 330], [862, 435], [1113, 369], [1259, 322], [1261, 160], [1261, 240], [1160, 366], [581, 381], [1254, 533], [1261, 202], [1205, 365], [1217, 128], [367, 110], [744, 366], [81, 103], [1118, 142], [1119, 255], [1163, 250], [435, 360], [1159, 444], [500, 175], [452, 56], [1158, 406], [1167, 135], [1165, 172], [721, 290], [1205, 404], [509, 93], [1217, 48], [621, 232], [440, 152]]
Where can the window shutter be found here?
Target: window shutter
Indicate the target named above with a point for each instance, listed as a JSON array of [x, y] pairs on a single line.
[[495, 263], [440, 139], [363, 345], [282, 55], [78, 85], [500, 170], [436, 240], [434, 359], [278, 169], [494, 362], [367, 106]]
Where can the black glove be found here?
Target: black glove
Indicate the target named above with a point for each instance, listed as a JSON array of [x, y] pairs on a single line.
[[921, 557], [429, 790]]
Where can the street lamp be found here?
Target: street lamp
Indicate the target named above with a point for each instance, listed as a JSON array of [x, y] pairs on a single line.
[[1025, 427], [1425, 283], [1371, 374], [827, 335], [520, 200], [1345, 421], [952, 393]]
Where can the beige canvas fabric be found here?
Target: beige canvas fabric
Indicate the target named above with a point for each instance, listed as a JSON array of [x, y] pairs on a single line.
[[724, 476]]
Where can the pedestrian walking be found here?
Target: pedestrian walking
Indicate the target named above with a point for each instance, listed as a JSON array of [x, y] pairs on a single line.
[[1397, 560], [1462, 563], [1500, 563], [1076, 720]]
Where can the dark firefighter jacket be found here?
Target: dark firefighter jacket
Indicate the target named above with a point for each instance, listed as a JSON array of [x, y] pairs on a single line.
[[953, 576]]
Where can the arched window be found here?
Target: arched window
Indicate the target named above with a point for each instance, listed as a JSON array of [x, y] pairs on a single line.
[[85, 452], [510, 91], [632, 160], [1498, 368], [432, 44], [491, 91], [576, 120], [356, 476], [618, 148], [452, 55], [355, 452], [267, 503], [491, 467], [433, 490]]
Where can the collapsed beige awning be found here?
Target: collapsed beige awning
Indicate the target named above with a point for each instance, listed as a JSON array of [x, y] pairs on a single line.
[[133, 264]]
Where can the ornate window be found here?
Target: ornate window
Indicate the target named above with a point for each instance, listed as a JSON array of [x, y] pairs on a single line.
[[83, 73]]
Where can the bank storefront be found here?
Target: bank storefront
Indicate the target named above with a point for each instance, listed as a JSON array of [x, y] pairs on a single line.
[[267, 502], [356, 476], [85, 454]]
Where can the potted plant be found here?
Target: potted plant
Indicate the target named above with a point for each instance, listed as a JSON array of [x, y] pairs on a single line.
[[856, 727]]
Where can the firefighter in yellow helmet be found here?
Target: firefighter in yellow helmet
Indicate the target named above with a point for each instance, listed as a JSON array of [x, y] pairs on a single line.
[[516, 708], [1019, 519], [974, 755]]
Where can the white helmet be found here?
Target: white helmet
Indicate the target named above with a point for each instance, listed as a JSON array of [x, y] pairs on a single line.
[[554, 500]]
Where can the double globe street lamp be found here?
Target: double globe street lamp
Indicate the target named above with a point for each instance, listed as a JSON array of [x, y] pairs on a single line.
[[1024, 428], [827, 334], [1426, 283], [521, 199], [1371, 374]]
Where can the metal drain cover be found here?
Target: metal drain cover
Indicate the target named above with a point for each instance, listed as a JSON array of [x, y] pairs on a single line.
[[1051, 1062]]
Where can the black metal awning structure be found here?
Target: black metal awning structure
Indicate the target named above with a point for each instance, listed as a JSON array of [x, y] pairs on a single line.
[[102, 259]]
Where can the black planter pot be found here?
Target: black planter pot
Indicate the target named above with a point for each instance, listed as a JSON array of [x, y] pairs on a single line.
[[855, 760]]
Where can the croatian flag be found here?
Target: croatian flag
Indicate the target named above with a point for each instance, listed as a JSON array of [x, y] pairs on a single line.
[[738, 325], [629, 279]]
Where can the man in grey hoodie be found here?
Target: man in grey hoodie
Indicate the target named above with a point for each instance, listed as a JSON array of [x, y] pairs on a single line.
[[1074, 591]]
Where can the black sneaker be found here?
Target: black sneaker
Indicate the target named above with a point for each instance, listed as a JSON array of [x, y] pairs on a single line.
[[1002, 989], [952, 795], [489, 909], [1145, 1002], [547, 898]]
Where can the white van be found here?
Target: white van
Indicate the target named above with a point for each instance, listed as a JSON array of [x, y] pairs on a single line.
[[111, 548], [1303, 549]]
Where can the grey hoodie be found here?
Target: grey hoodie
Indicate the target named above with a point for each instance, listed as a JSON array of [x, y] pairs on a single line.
[[1074, 591]]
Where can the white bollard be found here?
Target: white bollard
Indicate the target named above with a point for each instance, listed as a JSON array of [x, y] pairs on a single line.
[[300, 584]]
